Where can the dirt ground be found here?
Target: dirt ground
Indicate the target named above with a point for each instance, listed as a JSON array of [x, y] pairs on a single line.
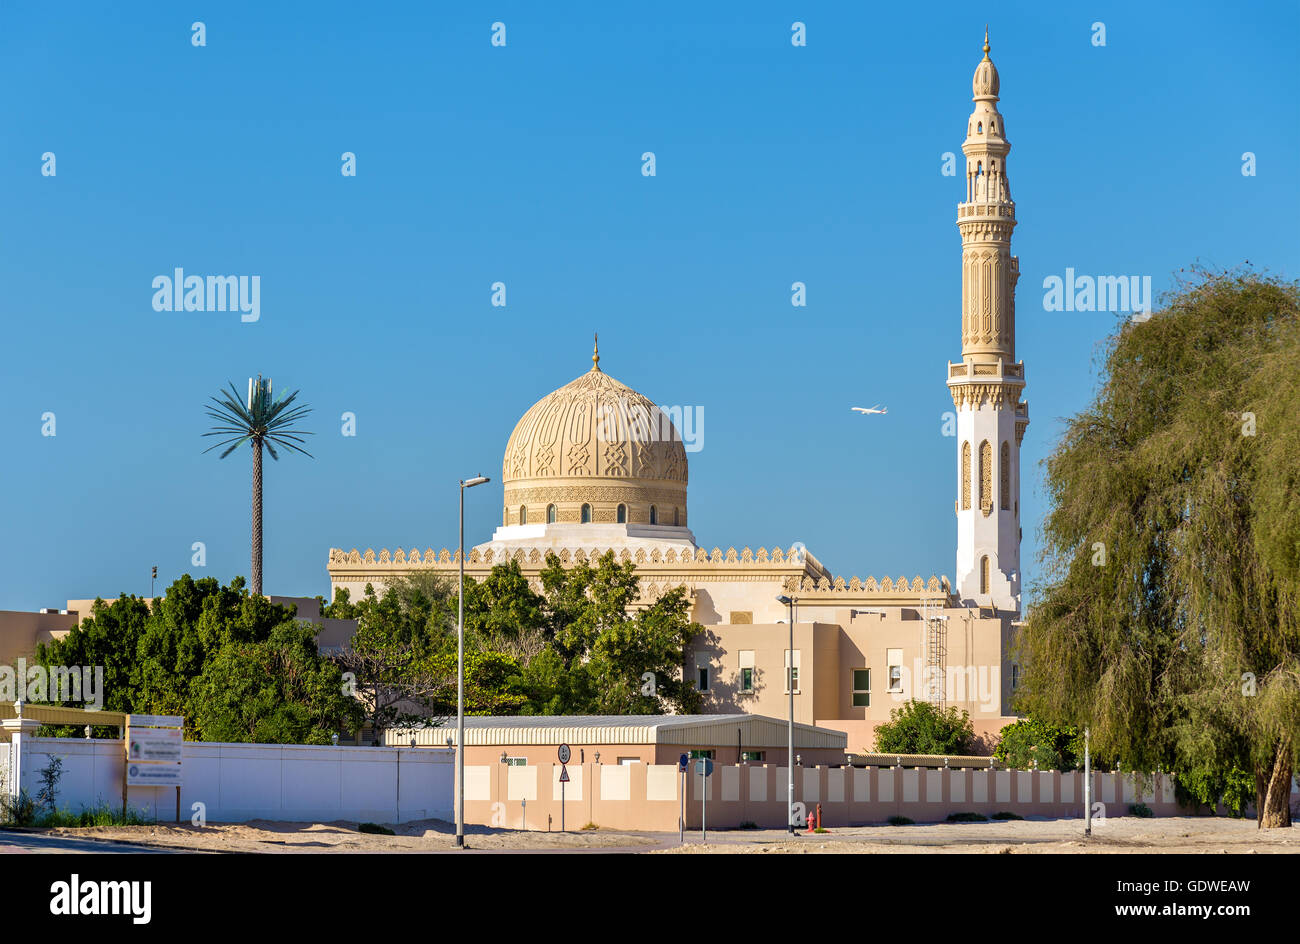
[[1127, 834], [1120, 835], [419, 836]]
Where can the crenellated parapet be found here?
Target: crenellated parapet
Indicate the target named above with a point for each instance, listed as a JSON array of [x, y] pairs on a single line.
[[792, 569]]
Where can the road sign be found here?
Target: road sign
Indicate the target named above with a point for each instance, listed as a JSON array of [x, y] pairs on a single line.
[[564, 774], [565, 753], [683, 762], [704, 767]]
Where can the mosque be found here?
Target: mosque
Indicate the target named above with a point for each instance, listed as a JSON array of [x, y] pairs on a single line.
[[596, 466]]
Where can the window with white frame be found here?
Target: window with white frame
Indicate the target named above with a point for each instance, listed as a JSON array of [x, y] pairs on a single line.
[[746, 670], [894, 659], [861, 688], [792, 671]]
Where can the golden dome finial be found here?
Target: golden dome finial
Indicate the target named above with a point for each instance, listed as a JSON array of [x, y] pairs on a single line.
[[595, 351], [986, 40]]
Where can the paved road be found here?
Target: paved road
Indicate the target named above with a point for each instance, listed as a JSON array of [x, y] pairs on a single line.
[[13, 842]]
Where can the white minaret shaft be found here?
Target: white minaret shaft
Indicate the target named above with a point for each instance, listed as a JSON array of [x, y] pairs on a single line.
[[986, 384]]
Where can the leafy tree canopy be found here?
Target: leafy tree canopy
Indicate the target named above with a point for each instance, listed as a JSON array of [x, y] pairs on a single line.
[[1169, 620]]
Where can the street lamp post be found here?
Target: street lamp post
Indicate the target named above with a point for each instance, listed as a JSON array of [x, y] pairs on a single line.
[[789, 683], [460, 667]]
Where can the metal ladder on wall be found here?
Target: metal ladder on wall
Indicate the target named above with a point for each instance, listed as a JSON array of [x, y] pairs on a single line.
[[936, 652]]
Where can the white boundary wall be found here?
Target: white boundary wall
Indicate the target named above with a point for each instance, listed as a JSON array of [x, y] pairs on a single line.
[[239, 782]]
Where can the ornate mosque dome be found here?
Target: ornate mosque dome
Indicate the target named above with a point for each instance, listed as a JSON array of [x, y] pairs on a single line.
[[986, 82], [595, 452]]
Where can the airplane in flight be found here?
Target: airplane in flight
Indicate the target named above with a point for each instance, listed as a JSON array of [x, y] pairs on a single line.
[[875, 409]]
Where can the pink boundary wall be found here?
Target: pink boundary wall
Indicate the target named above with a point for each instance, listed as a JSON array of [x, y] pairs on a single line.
[[648, 797]]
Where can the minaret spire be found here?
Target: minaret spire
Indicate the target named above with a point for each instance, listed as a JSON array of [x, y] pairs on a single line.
[[987, 382], [595, 352]]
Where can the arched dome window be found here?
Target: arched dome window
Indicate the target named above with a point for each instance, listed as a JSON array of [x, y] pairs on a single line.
[[550, 514], [523, 514], [675, 521], [654, 515], [622, 514], [586, 514], [979, 128]]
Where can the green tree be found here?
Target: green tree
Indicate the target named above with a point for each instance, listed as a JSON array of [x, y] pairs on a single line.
[[609, 656], [261, 422], [1029, 742], [918, 727], [1169, 621], [277, 691]]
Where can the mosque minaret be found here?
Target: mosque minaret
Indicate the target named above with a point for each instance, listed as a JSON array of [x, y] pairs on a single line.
[[986, 384]]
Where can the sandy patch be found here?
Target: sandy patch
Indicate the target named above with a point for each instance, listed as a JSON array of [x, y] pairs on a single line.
[[1117, 835], [420, 836]]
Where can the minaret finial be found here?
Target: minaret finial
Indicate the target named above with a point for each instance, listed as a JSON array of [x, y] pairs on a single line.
[[986, 40], [595, 351]]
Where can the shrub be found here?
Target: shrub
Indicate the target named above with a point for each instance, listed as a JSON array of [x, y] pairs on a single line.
[[748, 824], [1007, 814], [101, 815], [591, 826], [19, 812], [901, 821], [1028, 741], [967, 818], [921, 728], [375, 828], [1141, 810]]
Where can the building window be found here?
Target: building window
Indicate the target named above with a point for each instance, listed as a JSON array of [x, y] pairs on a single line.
[[979, 128], [861, 688], [702, 754], [965, 475], [622, 514], [550, 514], [756, 756], [675, 517], [628, 761], [586, 514], [746, 670], [523, 514], [986, 477], [984, 574], [894, 659], [654, 515], [1015, 676], [704, 677], [516, 761], [792, 672], [1005, 476]]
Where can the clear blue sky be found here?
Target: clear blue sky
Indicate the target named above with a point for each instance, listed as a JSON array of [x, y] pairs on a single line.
[[522, 164]]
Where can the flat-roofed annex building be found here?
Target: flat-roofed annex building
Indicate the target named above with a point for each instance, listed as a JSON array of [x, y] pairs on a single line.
[[629, 739]]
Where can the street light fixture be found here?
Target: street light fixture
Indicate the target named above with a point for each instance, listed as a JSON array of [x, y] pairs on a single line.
[[460, 667], [789, 683]]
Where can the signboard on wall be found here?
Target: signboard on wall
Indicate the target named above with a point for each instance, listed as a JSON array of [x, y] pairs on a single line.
[[154, 750]]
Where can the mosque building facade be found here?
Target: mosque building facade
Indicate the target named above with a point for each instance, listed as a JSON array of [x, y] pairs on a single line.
[[596, 466]]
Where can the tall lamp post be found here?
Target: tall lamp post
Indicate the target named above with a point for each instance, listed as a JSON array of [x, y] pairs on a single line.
[[789, 683], [460, 667]]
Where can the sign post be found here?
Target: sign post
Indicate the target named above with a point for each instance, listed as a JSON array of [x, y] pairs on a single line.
[[682, 763], [154, 751], [565, 754], [704, 767]]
